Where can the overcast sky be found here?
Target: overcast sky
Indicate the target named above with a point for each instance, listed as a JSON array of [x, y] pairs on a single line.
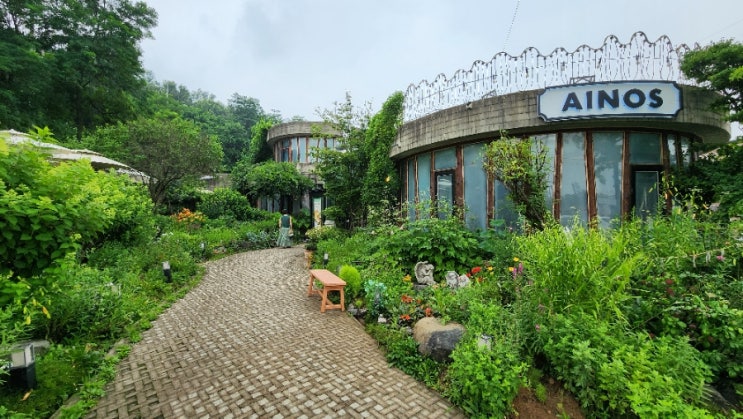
[[298, 56]]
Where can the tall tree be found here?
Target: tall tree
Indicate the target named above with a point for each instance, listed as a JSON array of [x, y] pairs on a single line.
[[719, 67], [343, 169], [90, 49], [166, 150], [381, 180], [259, 151]]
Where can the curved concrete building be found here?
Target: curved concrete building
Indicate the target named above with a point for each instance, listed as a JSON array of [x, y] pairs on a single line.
[[293, 142], [615, 120]]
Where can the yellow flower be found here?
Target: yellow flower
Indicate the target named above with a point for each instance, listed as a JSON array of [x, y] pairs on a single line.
[[490, 268], [406, 278], [511, 269], [515, 259], [387, 179]]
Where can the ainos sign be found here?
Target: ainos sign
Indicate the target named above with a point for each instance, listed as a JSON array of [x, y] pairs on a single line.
[[610, 100]]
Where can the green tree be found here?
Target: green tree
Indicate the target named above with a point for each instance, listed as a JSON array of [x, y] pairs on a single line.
[[90, 50], [343, 169], [522, 169], [259, 151], [381, 180], [719, 67], [166, 150], [716, 179], [22, 90], [269, 179]]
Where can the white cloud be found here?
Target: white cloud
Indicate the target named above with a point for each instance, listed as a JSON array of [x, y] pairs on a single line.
[[295, 56]]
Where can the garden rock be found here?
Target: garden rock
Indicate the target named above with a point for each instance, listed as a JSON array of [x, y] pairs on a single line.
[[437, 340]]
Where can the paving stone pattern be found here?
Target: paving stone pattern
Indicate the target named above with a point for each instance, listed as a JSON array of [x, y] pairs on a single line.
[[249, 343]]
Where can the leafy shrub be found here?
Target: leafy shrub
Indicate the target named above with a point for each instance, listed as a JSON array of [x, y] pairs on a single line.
[[580, 269], [320, 233], [47, 212], [302, 220], [225, 202], [484, 381], [447, 244], [87, 306], [375, 298], [353, 280]]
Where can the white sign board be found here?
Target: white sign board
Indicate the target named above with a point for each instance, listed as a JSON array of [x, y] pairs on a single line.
[[610, 100]]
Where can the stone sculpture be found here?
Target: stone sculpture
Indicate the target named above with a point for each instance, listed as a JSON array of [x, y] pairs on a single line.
[[454, 280], [424, 273]]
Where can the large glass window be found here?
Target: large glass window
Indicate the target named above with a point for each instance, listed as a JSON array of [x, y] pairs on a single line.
[[685, 152], [424, 184], [314, 145], [475, 187], [445, 193], [285, 147], [549, 142], [573, 191], [302, 149], [412, 188], [504, 213], [446, 159], [607, 162], [672, 155], [295, 149], [644, 148], [646, 192]]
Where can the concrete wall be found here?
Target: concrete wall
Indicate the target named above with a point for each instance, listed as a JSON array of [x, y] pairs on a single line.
[[518, 114]]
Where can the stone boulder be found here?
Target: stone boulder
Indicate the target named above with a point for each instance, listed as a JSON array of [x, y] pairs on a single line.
[[437, 340]]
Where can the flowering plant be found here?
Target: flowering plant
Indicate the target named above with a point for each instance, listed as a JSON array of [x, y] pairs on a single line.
[[479, 274], [412, 309], [189, 219]]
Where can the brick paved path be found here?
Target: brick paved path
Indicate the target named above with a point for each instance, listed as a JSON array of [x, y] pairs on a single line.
[[248, 342]]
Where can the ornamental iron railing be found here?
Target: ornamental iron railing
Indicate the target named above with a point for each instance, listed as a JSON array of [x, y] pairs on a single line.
[[639, 59]]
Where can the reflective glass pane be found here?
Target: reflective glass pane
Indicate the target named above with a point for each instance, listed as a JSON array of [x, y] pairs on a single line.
[[671, 143], [685, 152], [303, 149], [424, 183], [295, 149], [644, 148], [312, 149], [573, 192], [607, 161], [444, 194], [549, 142], [446, 159], [646, 193], [504, 212], [411, 189], [475, 187]]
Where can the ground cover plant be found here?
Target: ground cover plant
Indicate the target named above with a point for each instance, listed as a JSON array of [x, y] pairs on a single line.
[[640, 321]]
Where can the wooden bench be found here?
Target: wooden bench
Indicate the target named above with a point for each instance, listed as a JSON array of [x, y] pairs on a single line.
[[329, 282]]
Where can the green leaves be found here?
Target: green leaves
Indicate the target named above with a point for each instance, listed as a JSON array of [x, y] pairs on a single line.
[[49, 211], [269, 179], [521, 166], [719, 67]]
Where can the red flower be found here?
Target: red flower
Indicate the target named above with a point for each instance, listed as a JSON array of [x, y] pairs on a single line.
[[429, 312], [406, 299], [475, 270]]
